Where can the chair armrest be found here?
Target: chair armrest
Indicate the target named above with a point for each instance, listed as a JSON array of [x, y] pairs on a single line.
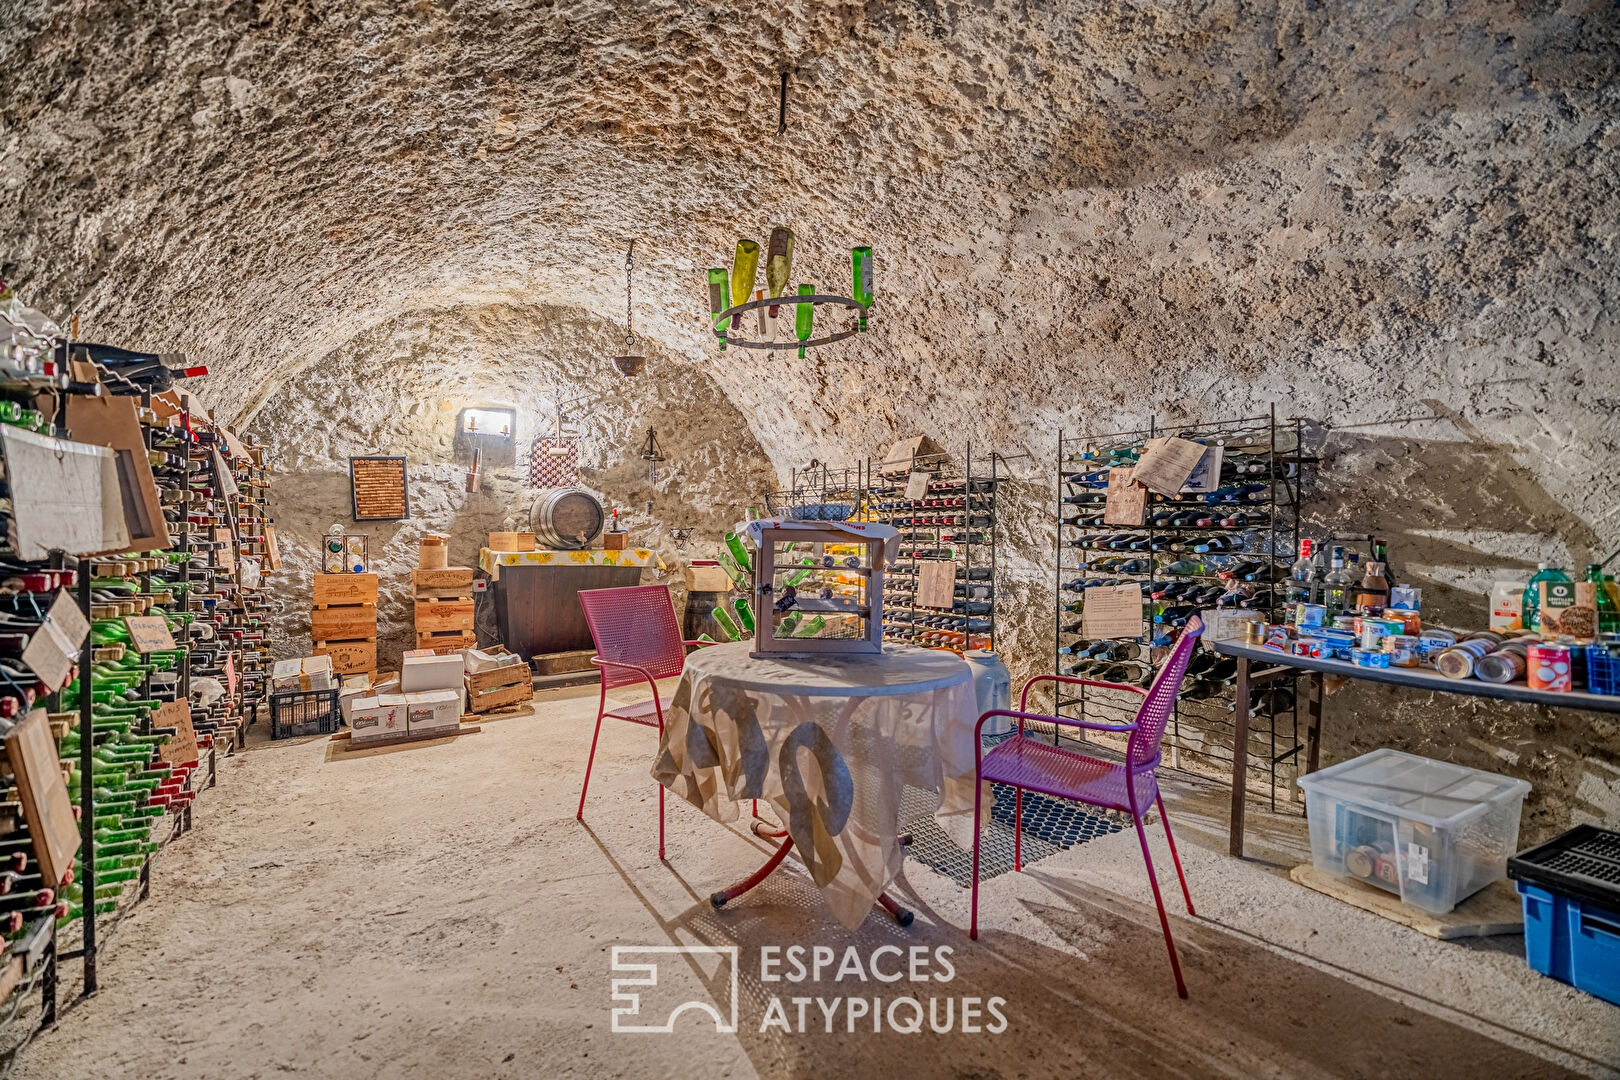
[[700, 644], [1023, 700], [643, 672], [1063, 720]]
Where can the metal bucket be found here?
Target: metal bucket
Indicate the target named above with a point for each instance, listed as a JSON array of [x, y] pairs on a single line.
[[567, 519]]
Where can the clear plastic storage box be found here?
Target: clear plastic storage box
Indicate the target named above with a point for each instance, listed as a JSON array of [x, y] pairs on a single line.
[[1433, 832]]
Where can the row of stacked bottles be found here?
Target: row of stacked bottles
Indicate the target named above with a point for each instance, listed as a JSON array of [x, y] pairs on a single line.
[[1230, 547], [136, 734]]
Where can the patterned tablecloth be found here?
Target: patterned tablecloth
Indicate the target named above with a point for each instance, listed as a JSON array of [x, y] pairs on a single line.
[[492, 561], [830, 743]]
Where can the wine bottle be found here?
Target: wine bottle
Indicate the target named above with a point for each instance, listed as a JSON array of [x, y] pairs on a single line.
[[861, 261], [778, 264], [719, 300], [744, 268], [804, 318]]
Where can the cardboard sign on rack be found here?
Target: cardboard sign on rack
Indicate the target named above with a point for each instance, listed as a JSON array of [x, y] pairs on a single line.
[[936, 583], [43, 794], [149, 633], [1112, 611], [917, 486], [113, 423], [54, 649], [227, 554], [900, 456], [1127, 500], [1206, 475], [272, 549], [1165, 464], [181, 749]]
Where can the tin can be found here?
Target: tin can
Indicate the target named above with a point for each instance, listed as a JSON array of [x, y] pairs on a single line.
[[1306, 646], [1550, 668], [1254, 633], [1345, 622], [1309, 616], [1369, 658]]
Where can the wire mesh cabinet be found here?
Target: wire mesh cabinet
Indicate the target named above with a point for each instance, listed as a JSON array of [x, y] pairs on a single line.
[[817, 592]]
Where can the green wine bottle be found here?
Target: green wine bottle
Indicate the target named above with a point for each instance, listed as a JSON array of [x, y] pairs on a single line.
[[778, 264], [728, 626], [811, 627], [861, 261], [739, 551], [804, 319], [719, 300], [744, 268], [745, 613]]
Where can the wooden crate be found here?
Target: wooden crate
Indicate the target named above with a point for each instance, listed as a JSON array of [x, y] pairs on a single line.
[[344, 589], [488, 690], [511, 541], [455, 578], [347, 622], [435, 615], [446, 640], [349, 657]]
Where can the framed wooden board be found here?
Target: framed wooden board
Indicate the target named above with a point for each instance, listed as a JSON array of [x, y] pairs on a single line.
[[379, 488], [43, 794]]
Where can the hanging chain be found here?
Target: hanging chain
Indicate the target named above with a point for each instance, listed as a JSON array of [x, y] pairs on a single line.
[[629, 312]]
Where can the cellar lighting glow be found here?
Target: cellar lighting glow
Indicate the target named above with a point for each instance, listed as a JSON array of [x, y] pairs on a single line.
[[487, 421]]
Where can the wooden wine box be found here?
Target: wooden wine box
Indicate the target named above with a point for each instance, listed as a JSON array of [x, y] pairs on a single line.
[[349, 657], [348, 622], [345, 589], [498, 688], [444, 608]]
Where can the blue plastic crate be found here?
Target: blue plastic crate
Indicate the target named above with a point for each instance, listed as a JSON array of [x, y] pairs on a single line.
[[1571, 941], [1602, 671]]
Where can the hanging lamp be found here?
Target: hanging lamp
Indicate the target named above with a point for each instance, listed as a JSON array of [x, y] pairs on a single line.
[[632, 362]]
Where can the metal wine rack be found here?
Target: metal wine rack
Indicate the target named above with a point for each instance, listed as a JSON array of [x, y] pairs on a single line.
[[1201, 731]]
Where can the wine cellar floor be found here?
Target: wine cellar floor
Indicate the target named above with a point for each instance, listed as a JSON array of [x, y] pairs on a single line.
[[435, 911]]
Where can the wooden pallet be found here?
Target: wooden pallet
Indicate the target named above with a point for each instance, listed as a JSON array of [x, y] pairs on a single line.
[[344, 742], [1493, 910]]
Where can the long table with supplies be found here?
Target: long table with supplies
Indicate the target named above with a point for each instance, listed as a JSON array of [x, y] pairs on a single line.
[[1277, 665]]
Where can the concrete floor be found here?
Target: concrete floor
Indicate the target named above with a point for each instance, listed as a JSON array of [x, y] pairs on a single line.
[[435, 911]]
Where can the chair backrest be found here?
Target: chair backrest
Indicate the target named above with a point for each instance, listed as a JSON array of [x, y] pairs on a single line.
[[1154, 715], [634, 625]]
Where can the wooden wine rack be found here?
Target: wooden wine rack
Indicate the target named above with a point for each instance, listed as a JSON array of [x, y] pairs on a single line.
[[343, 621], [444, 608]]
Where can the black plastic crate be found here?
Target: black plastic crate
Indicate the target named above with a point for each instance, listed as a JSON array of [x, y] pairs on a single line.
[[1583, 863], [303, 712]]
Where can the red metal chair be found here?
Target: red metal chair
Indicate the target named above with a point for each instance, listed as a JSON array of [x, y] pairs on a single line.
[[1131, 786], [637, 640]]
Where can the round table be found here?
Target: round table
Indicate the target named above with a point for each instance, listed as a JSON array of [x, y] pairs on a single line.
[[831, 743]]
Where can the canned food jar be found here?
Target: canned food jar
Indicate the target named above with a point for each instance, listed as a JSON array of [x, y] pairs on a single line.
[[1402, 650], [1345, 622], [1550, 668], [1369, 658]]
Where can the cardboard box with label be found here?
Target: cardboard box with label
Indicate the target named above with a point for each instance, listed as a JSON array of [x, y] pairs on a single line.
[[431, 672], [432, 710], [374, 717]]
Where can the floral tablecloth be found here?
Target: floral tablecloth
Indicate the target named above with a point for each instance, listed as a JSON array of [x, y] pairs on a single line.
[[831, 744], [492, 561]]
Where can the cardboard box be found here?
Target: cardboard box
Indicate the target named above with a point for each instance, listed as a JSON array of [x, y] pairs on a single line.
[[707, 577], [375, 717], [431, 673], [302, 673], [431, 710]]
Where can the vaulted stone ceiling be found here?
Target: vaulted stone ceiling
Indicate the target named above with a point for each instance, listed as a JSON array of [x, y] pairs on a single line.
[[1083, 212]]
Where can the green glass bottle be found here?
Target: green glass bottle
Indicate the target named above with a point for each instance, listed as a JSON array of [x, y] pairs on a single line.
[[861, 261], [719, 300], [811, 627], [739, 551], [744, 268], [728, 626], [1608, 614], [804, 319], [745, 613]]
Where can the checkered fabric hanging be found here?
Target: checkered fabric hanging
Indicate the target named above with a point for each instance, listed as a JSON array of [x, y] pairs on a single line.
[[554, 470]]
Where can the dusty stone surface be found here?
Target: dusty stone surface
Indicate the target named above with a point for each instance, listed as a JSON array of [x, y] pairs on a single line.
[[435, 911], [1394, 218], [399, 388]]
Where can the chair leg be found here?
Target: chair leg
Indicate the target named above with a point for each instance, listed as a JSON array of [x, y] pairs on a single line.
[[580, 814], [1018, 829], [1164, 920], [660, 821], [973, 918], [1175, 856]]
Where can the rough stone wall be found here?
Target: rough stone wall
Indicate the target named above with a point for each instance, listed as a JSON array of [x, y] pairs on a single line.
[[399, 388], [1396, 218]]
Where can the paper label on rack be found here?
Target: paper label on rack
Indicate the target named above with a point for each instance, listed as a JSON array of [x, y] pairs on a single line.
[[1112, 611], [917, 486], [149, 633], [936, 583], [1127, 500], [1206, 475], [1165, 464], [54, 648]]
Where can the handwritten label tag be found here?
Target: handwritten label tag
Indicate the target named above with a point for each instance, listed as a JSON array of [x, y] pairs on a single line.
[[1112, 611], [1206, 475], [181, 749], [917, 486], [150, 633], [1127, 500], [936, 583], [54, 648]]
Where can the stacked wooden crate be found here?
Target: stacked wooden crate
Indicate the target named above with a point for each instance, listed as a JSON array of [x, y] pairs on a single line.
[[444, 608], [343, 621]]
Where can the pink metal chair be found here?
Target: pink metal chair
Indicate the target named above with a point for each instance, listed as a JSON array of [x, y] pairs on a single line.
[[637, 640], [1131, 786]]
